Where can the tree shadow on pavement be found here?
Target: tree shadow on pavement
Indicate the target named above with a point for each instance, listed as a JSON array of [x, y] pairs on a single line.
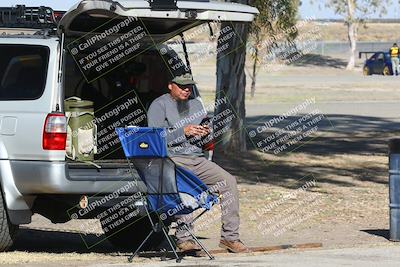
[[326, 154], [347, 134]]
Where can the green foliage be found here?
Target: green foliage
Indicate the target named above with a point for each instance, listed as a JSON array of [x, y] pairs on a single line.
[[362, 8], [275, 17], [276, 21]]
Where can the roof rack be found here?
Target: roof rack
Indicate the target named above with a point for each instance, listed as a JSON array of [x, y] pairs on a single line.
[[21, 16]]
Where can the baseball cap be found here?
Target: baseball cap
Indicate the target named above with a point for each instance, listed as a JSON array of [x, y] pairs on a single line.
[[185, 79]]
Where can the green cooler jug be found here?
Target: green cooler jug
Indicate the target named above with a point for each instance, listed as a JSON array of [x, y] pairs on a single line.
[[81, 130]]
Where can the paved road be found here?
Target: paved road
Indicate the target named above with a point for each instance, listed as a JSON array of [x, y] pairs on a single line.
[[371, 109], [356, 257]]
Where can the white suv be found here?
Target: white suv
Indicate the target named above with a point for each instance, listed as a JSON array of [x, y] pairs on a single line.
[[38, 72]]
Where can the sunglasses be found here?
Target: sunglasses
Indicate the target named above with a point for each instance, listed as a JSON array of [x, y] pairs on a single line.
[[183, 87]]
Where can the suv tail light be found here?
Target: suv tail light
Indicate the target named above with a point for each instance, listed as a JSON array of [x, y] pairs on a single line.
[[209, 146], [55, 132]]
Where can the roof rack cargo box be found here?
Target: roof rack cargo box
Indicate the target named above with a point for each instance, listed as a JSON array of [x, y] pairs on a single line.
[[20, 16]]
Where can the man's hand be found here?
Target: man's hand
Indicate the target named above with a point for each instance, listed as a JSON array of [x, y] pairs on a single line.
[[196, 130]]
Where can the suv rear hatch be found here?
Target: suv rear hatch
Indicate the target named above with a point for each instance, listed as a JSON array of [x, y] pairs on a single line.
[[92, 30], [161, 20]]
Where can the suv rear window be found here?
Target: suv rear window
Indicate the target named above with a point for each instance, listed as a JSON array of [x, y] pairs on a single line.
[[23, 71]]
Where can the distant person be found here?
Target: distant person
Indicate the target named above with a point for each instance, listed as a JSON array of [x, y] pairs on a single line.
[[394, 55]]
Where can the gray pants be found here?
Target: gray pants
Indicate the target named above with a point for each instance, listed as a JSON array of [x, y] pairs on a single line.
[[395, 65], [219, 180]]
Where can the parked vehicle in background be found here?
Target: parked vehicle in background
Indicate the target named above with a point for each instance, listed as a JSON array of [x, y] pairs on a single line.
[[378, 63]]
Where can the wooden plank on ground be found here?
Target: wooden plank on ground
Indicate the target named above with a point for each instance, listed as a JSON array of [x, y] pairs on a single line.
[[222, 251], [273, 248]]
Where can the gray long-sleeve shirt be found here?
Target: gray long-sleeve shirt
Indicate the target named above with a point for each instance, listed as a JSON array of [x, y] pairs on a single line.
[[169, 113]]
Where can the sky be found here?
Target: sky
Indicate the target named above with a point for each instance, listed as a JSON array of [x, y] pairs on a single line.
[[307, 10]]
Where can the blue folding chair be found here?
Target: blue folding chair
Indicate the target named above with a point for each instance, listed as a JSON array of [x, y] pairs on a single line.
[[171, 189]]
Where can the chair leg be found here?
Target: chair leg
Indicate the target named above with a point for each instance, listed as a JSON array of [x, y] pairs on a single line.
[[141, 245], [198, 242], [178, 259]]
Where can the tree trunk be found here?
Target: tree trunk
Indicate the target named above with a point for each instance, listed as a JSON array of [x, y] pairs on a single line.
[[254, 76], [352, 34], [231, 83]]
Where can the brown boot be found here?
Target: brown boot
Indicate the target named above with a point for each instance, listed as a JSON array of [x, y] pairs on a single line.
[[236, 246], [188, 246]]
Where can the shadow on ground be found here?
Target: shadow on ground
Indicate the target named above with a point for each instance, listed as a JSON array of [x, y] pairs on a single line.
[[353, 137], [309, 60], [378, 232], [45, 241], [33, 240], [361, 135]]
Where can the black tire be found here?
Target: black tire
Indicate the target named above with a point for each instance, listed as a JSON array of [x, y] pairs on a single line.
[[131, 234], [7, 230], [386, 71]]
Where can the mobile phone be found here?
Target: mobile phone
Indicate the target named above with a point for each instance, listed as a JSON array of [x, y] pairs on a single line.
[[205, 122]]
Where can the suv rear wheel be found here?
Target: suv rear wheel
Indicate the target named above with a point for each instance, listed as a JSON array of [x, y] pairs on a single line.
[[7, 229]]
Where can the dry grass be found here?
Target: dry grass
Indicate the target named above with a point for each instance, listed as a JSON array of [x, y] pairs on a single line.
[[371, 32], [330, 31]]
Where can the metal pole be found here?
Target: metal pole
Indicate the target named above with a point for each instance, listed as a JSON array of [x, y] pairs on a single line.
[[394, 189]]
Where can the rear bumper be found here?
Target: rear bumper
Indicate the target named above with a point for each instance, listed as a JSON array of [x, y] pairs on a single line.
[[38, 177], [23, 181]]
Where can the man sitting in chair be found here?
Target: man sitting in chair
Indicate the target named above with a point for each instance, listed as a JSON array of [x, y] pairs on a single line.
[[183, 116]]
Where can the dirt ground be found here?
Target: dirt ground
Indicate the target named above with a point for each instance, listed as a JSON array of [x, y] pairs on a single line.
[[330, 188]]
